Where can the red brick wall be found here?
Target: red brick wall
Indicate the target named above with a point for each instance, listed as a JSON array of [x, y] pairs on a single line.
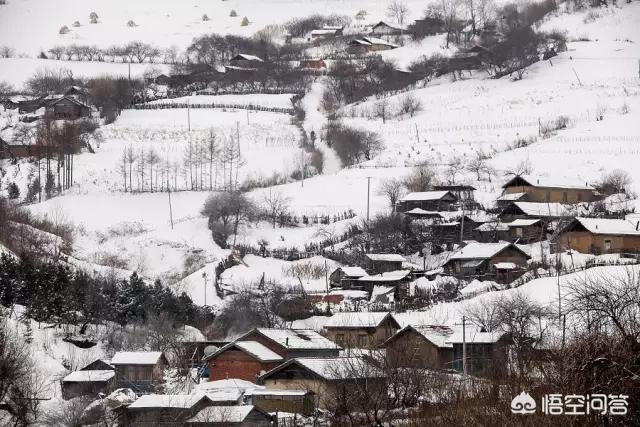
[[237, 364]]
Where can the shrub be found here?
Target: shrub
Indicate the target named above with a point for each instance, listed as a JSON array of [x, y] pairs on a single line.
[[245, 21], [13, 190], [76, 24], [614, 182], [233, 13], [93, 18], [352, 145], [63, 30], [131, 23], [205, 17]]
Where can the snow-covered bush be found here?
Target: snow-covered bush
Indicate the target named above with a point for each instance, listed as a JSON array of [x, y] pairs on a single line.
[[233, 13], [76, 24], [93, 18], [63, 30], [205, 17], [245, 21], [131, 23]]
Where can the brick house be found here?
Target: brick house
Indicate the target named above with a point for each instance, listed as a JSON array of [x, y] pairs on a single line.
[[245, 360], [141, 371], [291, 343], [543, 190], [361, 329], [600, 236], [502, 262], [420, 347]]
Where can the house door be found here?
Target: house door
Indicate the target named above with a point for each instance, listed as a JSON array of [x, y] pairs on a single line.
[[607, 245]]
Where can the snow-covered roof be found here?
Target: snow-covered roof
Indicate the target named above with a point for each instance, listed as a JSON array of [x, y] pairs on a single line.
[[136, 358], [386, 257], [274, 392], [229, 395], [388, 276], [548, 182], [333, 368], [353, 271], [356, 320], [298, 338], [418, 211], [474, 337], [505, 265], [511, 197], [246, 57], [425, 196], [184, 401], [475, 251], [544, 209], [222, 414], [375, 40], [227, 385], [437, 334], [253, 348], [609, 226], [89, 376], [325, 31], [522, 222], [493, 226]]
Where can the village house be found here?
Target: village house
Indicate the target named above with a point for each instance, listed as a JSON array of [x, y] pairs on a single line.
[[369, 44], [97, 377], [382, 263], [291, 343], [312, 64], [421, 214], [522, 231], [246, 61], [547, 212], [291, 401], [502, 262], [397, 280], [327, 32], [384, 29], [140, 371], [486, 352], [166, 409], [245, 360], [544, 190], [345, 277], [223, 416], [423, 347], [600, 236], [428, 201], [449, 231], [78, 93], [365, 330], [329, 378], [464, 194], [67, 108]]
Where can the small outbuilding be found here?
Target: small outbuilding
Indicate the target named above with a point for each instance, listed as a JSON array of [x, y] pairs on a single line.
[[501, 262], [600, 236], [428, 201], [366, 330], [140, 371], [422, 347]]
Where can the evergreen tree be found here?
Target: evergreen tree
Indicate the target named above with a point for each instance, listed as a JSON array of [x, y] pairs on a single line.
[[13, 190]]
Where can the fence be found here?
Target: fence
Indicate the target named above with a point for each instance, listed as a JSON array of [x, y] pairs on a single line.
[[251, 107]]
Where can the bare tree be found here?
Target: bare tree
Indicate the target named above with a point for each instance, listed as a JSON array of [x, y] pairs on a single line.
[[398, 10], [276, 206], [615, 182], [478, 164], [382, 109], [392, 189], [410, 104], [422, 178]]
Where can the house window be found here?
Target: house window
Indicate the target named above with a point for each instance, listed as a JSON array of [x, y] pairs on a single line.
[[340, 339], [362, 341], [519, 231], [564, 197], [607, 245]]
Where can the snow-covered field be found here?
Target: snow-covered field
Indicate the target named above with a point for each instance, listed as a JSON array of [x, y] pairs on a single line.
[[256, 100], [179, 21]]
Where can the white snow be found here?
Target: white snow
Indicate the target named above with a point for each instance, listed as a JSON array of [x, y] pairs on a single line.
[[609, 226], [136, 358], [222, 414], [386, 257], [298, 338], [480, 250], [356, 320], [184, 401], [89, 376]]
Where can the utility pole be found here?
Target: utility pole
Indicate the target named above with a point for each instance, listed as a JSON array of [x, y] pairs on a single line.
[[464, 346], [204, 277], [170, 209], [368, 195], [462, 221]]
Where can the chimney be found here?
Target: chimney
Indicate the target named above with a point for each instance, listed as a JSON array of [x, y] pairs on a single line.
[[538, 181], [286, 342], [637, 225]]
